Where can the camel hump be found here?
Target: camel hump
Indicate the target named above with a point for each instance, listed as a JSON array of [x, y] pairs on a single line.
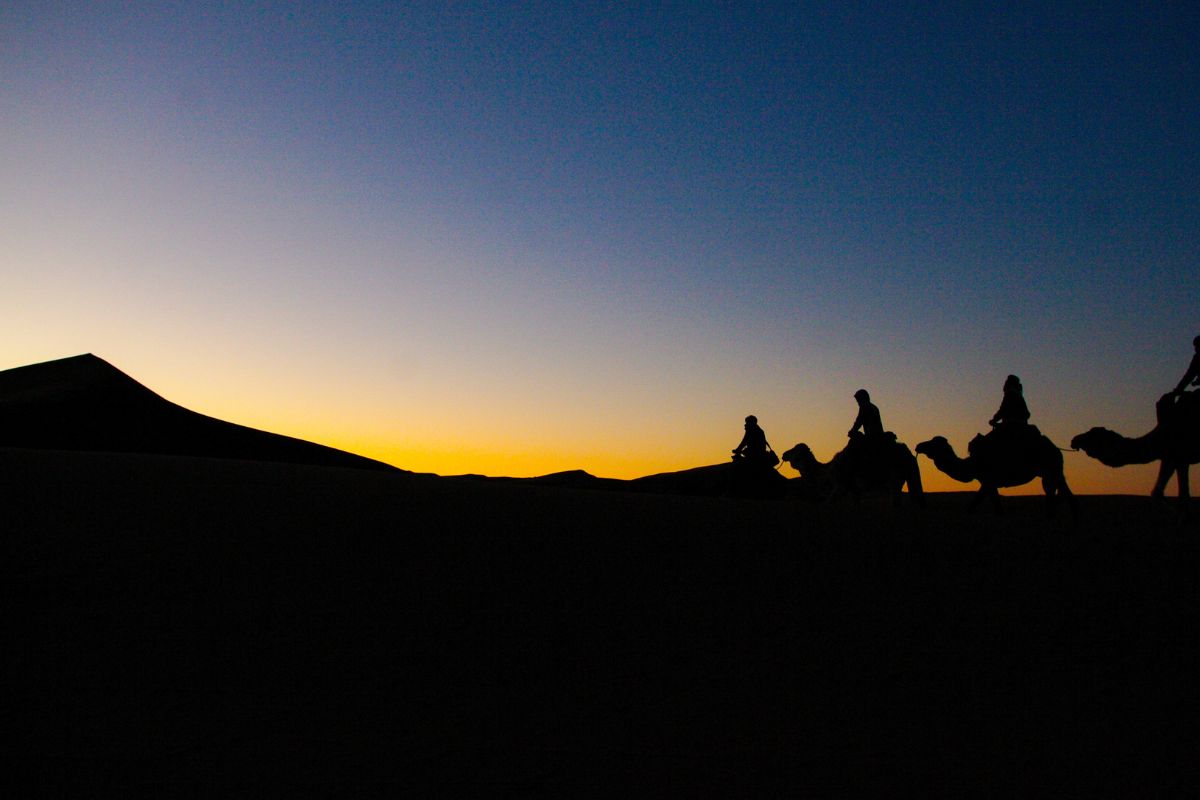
[[1176, 409], [1182, 408]]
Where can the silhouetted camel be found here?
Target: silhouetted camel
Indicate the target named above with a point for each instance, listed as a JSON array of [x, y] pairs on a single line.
[[1175, 442], [856, 472], [997, 464]]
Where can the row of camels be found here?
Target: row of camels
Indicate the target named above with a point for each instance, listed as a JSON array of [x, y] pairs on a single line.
[[1013, 461]]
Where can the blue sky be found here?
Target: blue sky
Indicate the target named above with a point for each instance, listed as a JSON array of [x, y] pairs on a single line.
[[512, 238]]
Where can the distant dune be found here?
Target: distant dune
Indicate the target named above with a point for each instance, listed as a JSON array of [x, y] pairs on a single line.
[[708, 481], [84, 403]]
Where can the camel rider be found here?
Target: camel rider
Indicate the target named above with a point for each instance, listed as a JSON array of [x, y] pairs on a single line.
[[1013, 413], [868, 417], [1010, 423], [753, 449], [873, 439], [1192, 375]]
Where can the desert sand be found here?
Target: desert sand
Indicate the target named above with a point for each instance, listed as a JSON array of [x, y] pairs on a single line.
[[193, 624], [187, 622]]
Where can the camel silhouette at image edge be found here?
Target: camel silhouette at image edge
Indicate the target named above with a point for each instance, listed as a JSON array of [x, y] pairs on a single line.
[[1174, 441], [1013, 454]]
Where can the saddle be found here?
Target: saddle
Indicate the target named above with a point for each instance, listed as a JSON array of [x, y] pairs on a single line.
[[1006, 442], [867, 457]]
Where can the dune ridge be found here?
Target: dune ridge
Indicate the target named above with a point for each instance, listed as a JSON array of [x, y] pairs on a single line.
[[85, 403]]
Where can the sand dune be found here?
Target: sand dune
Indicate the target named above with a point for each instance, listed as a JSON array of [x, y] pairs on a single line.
[[84, 403]]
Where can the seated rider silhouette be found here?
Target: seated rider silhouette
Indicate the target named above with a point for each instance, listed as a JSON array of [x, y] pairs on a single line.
[[868, 416], [1010, 423], [1013, 413], [753, 450], [873, 439]]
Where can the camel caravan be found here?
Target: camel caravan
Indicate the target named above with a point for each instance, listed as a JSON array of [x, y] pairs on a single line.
[[1013, 453]]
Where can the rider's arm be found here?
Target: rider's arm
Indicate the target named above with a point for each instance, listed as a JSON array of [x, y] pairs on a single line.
[[1191, 376]]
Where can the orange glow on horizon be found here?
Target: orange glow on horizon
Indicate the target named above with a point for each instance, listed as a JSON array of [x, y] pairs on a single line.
[[461, 435], [1085, 475]]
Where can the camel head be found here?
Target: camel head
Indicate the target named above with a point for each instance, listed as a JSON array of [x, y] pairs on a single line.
[[799, 457], [1103, 445], [1089, 440], [935, 447], [939, 451]]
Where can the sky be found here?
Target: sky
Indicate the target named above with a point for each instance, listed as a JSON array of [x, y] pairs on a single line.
[[519, 238]]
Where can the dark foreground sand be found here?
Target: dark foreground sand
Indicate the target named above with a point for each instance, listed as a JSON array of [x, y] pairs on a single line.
[[214, 627]]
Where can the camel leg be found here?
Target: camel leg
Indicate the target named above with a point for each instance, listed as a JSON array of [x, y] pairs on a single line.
[[1160, 483], [1064, 489], [1185, 491], [1050, 487], [916, 491], [1056, 488], [991, 494]]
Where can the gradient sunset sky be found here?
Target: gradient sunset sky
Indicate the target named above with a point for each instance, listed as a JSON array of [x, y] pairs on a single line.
[[517, 238]]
